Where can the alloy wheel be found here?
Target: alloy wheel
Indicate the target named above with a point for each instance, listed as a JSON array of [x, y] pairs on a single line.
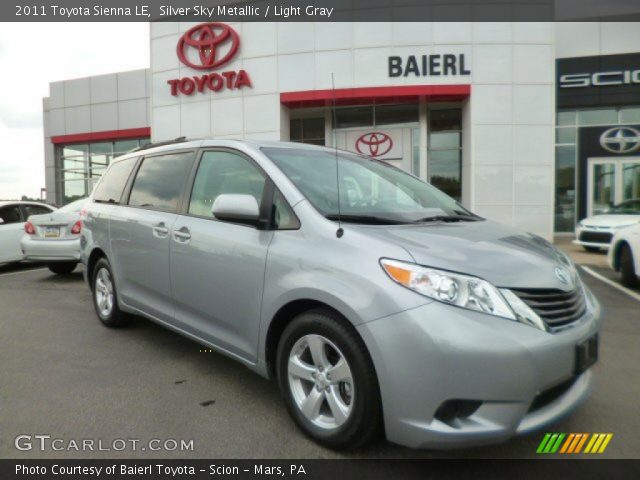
[[104, 292], [321, 381]]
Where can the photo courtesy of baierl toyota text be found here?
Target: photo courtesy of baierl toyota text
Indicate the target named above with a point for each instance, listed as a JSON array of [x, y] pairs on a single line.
[[320, 239]]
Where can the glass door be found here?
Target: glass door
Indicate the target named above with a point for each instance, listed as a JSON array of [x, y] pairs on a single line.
[[612, 181], [602, 186], [630, 188]]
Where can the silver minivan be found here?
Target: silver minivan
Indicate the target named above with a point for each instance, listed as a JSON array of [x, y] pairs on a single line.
[[377, 302]]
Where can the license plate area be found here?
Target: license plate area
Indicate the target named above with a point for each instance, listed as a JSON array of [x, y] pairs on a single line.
[[586, 354], [51, 232]]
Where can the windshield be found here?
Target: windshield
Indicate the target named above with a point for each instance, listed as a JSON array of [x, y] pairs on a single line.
[[371, 191], [630, 207], [74, 206]]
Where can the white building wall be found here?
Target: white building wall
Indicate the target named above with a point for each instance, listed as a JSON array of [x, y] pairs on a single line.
[[115, 101], [509, 162], [585, 39], [511, 157]]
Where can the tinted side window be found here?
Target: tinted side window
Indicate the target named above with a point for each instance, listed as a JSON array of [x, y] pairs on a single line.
[[114, 180], [35, 210], [283, 216], [159, 181], [10, 214], [224, 172]]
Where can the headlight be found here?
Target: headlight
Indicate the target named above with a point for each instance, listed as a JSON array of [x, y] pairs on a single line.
[[452, 288], [463, 291]]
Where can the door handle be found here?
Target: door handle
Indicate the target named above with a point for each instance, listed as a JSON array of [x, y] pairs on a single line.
[[182, 235], [160, 230]]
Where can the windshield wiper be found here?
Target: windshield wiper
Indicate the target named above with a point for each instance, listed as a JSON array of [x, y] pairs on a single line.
[[366, 219], [448, 218]]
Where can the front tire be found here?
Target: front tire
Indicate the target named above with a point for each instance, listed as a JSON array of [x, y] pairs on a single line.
[[62, 268], [628, 276], [328, 381], [105, 297]]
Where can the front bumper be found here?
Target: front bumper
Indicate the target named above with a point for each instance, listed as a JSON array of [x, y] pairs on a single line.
[[51, 250], [437, 354], [592, 237]]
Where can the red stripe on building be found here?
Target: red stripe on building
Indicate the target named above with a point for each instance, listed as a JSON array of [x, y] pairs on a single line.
[[102, 136], [365, 95]]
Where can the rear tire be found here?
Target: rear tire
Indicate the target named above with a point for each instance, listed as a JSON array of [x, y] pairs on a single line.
[[592, 249], [105, 297], [339, 408], [62, 268], [628, 276]]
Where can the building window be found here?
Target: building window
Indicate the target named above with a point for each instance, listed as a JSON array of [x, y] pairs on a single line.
[[567, 124], [444, 159], [79, 166], [307, 130], [565, 199], [376, 115]]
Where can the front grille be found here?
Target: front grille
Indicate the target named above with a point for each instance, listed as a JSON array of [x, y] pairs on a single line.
[[595, 237], [555, 307]]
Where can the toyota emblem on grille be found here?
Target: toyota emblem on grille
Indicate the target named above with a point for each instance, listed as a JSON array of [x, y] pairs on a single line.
[[563, 275]]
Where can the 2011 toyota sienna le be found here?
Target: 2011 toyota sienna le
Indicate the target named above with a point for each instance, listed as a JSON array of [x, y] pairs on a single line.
[[377, 302]]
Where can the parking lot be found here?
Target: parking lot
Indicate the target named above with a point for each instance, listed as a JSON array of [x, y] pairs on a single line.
[[63, 374]]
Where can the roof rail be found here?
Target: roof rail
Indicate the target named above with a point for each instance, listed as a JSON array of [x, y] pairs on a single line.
[[160, 144]]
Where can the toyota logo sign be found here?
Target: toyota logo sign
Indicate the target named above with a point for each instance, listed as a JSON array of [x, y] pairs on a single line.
[[208, 39], [374, 144], [620, 140], [209, 46]]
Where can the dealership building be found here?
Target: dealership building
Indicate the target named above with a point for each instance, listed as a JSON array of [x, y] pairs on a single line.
[[536, 125]]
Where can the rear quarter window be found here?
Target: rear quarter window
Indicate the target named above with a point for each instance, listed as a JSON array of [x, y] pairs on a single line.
[[112, 183], [35, 210]]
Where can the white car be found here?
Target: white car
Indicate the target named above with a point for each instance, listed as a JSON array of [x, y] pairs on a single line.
[[13, 216], [595, 233], [624, 255], [54, 238]]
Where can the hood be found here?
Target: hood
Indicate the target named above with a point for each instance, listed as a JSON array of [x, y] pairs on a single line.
[[610, 220], [501, 255]]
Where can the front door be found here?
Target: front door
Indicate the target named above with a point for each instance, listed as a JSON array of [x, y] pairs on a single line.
[[611, 181], [217, 268]]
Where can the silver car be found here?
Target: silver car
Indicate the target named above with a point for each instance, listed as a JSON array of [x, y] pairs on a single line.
[[377, 302], [54, 238]]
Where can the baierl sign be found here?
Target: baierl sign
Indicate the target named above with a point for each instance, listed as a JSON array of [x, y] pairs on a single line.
[[209, 47]]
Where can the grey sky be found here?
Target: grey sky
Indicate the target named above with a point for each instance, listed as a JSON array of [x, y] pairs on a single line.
[[31, 56]]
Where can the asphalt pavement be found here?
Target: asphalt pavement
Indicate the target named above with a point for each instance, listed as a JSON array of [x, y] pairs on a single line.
[[65, 375]]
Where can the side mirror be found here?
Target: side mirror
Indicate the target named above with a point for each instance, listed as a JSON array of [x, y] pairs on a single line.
[[236, 208]]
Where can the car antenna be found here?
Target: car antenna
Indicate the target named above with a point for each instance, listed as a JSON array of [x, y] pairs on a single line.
[[340, 230]]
